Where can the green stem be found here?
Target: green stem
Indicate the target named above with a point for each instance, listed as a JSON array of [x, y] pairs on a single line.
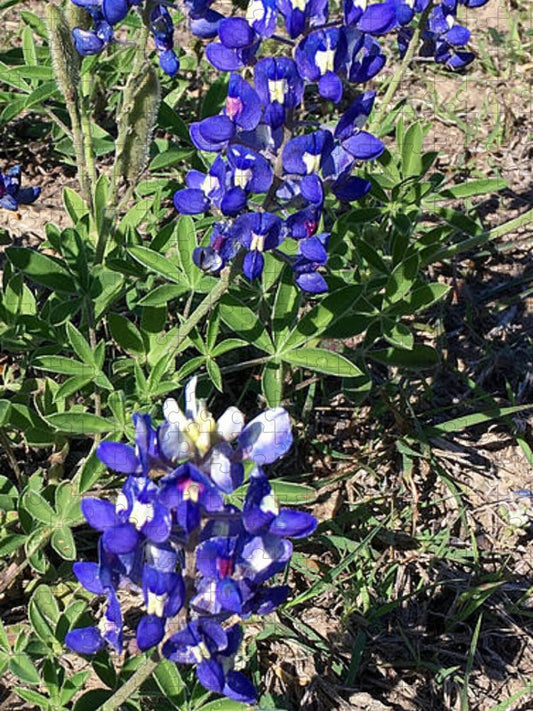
[[6, 444], [107, 227], [400, 70], [496, 232], [203, 308], [87, 135], [132, 685]]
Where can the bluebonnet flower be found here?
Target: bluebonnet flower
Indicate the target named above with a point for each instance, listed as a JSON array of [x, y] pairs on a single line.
[[162, 529], [11, 194], [106, 14]]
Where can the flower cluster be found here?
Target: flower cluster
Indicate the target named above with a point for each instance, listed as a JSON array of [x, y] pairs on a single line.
[[196, 559], [11, 194], [108, 13], [443, 38], [273, 166]]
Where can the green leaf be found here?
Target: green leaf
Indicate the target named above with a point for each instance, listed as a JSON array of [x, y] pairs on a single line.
[[290, 493], [72, 685], [67, 503], [126, 334], [286, 306], [169, 680], [170, 157], [11, 542], [82, 423], [421, 298], [42, 269], [5, 409], [420, 356], [228, 344], [214, 374], [224, 705], [4, 640], [64, 366], [460, 423], [244, 321], [43, 612], [157, 263], [322, 361], [91, 470], [73, 385], [37, 506], [186, 238], [74, 205], [272, 383], [81, 347], [333, 307], [474, 187], [100, 200], [93, 699], [397, 334], [402, 278], [63, 543], [412, 150], [23, 668], [162, 294]]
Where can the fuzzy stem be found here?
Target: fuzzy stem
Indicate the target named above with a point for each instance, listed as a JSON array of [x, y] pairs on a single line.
[[400, 71], [87, 135], [203, 308], [113, 199], [132, 684]]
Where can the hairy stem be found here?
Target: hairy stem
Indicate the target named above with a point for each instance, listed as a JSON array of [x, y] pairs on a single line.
[[87, 134], [133, 684], [203, 308], [111, 211]]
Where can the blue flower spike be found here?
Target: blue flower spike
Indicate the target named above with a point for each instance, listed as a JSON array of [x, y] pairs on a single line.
[[171, 521]]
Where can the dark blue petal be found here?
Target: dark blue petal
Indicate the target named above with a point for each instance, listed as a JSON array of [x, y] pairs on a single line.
[[150, 631], [223, 58], [87, 574], [118, 457], [235, 33], [86, 42], [26, 196], [206, 27], [330, 87], [293, 524], [99, 514], [210, 675], [253, 264], [191, 201], [351, 188], [377, 19], [169, 62], [8, 202], [115, 10], [364, 146], [239, 688], [312, 282], [85, 640], [228, 595], [233, 202], [121, 539]]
